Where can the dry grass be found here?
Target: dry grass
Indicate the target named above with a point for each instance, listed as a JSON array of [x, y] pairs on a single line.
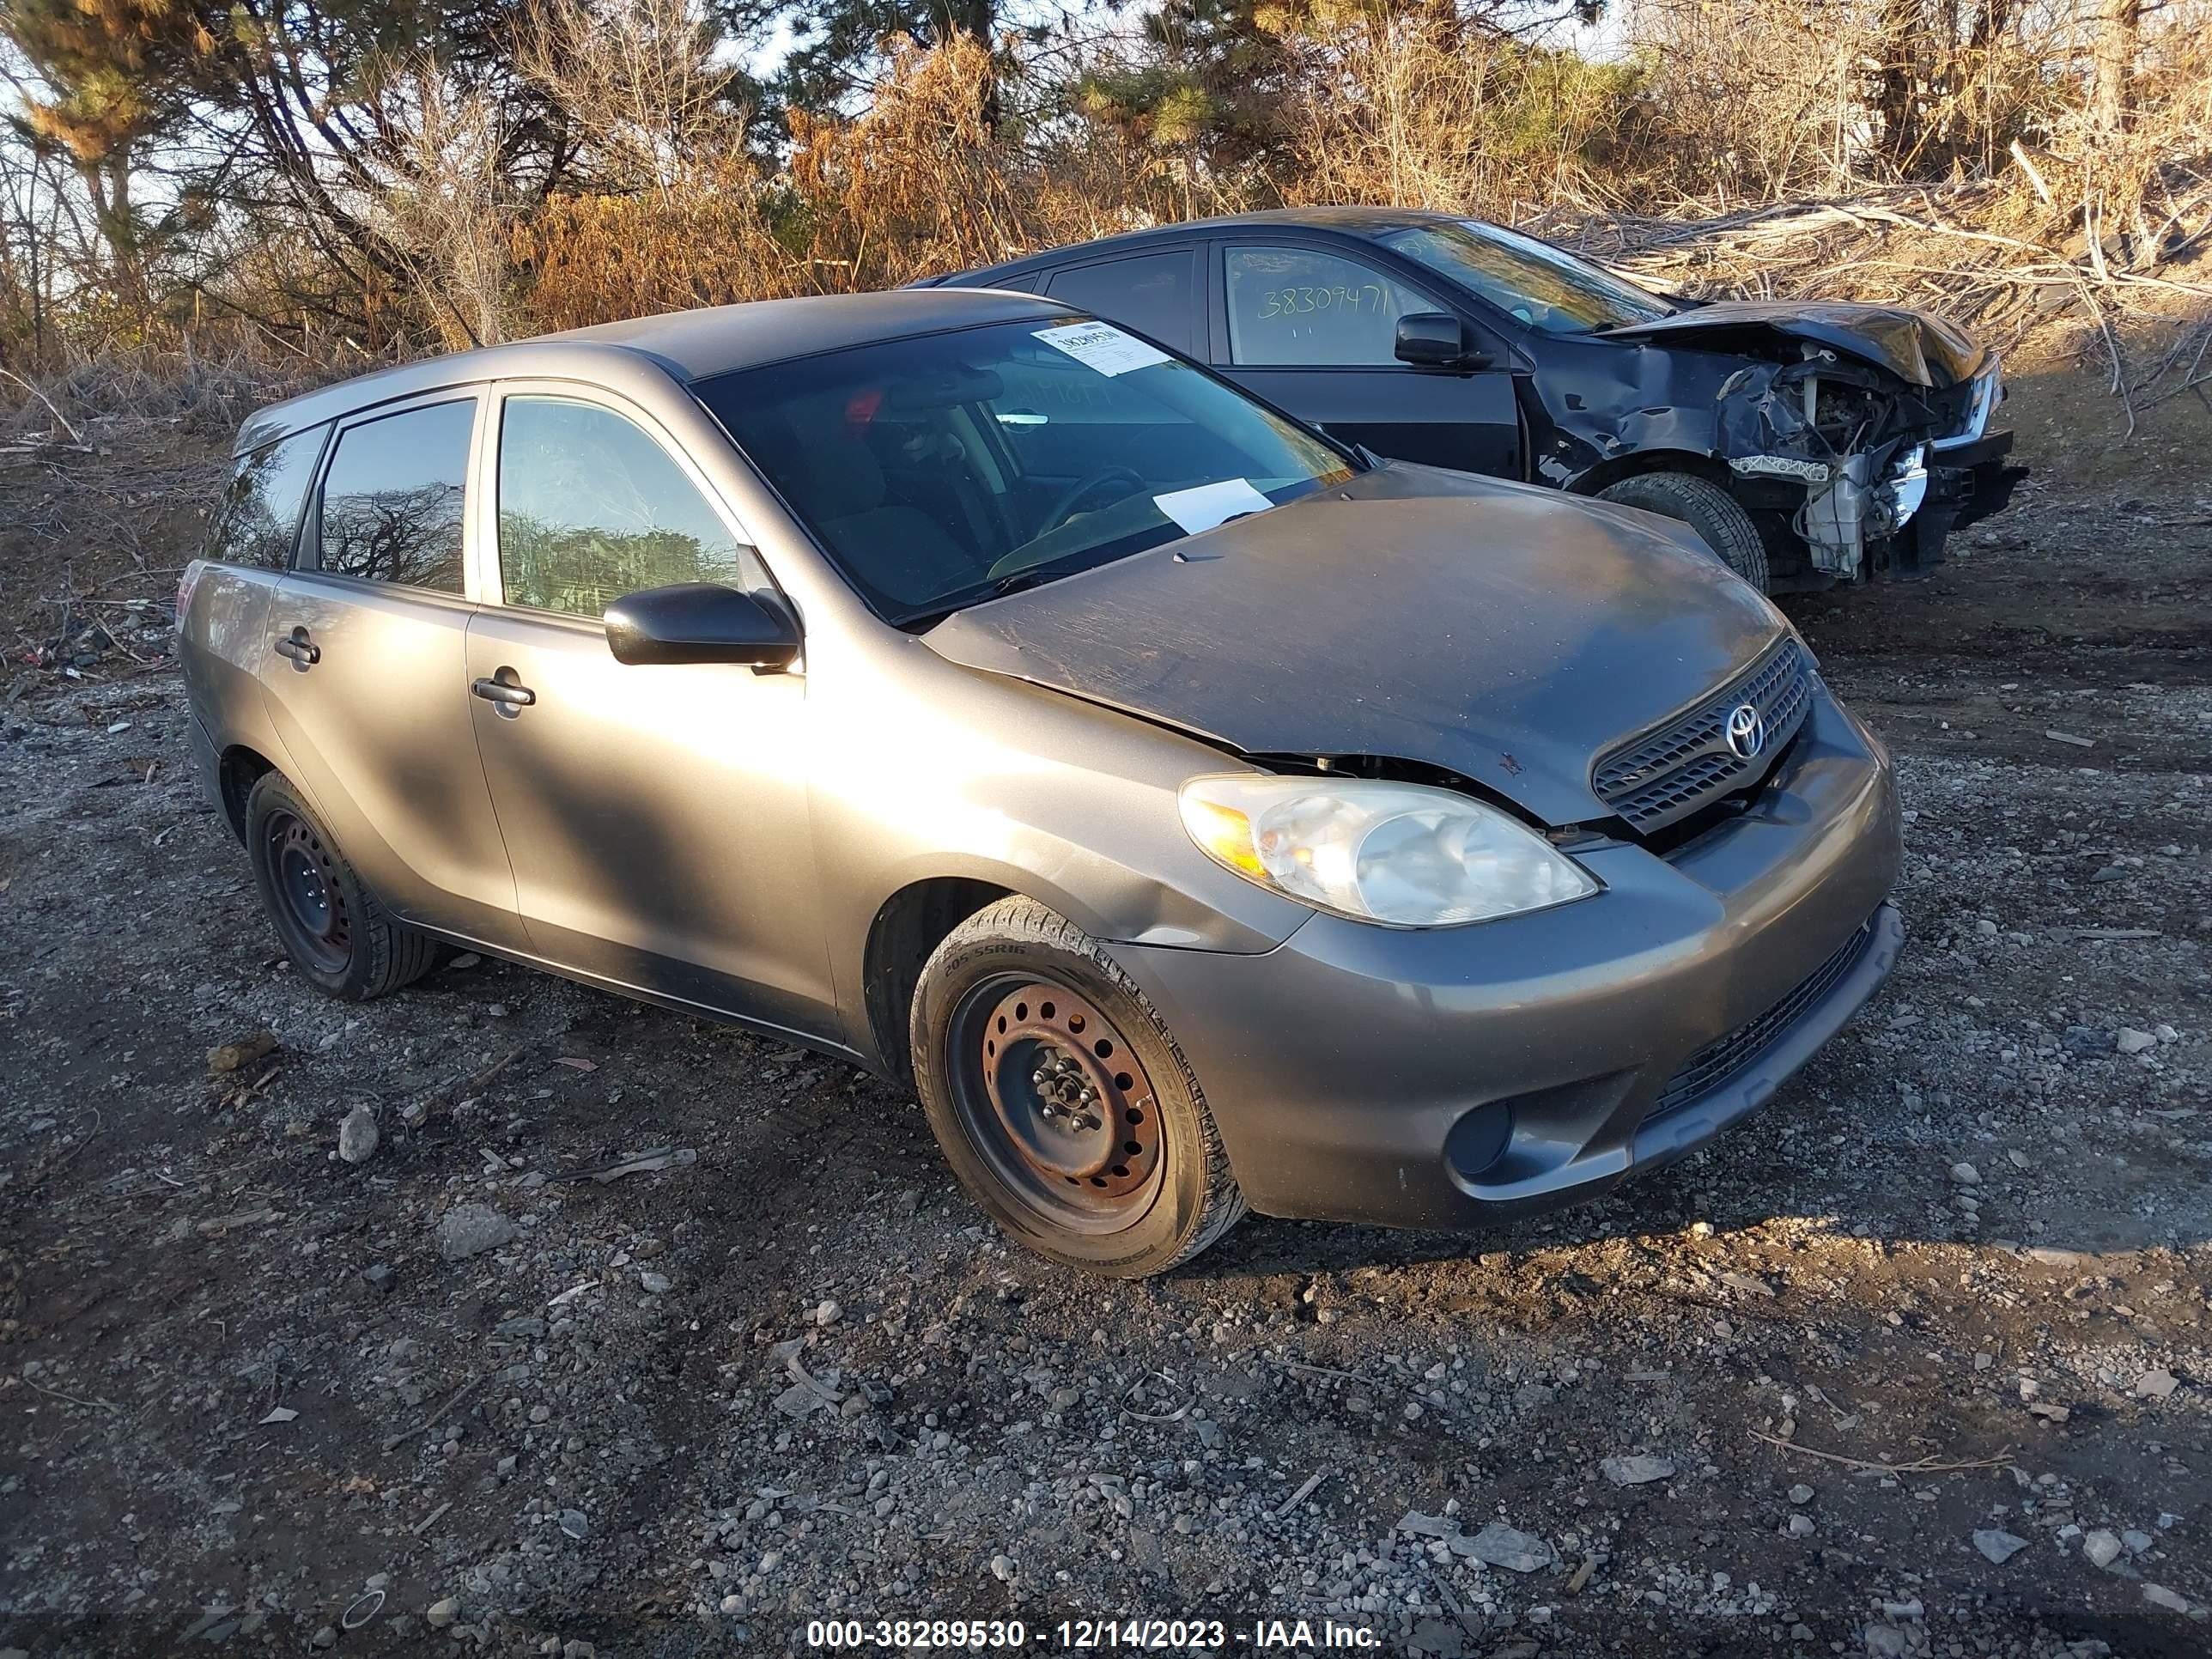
[[108, 470]]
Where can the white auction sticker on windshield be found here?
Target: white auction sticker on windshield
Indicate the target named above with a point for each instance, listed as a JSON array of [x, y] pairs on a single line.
[[1211, 504], [1101, 346]]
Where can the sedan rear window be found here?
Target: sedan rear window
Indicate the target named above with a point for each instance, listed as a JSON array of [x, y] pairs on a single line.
[[1542, 286], [942, 471]]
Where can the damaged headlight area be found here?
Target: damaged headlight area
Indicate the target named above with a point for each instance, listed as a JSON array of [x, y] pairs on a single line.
[[1899, 496], [1403, 854], [1859, 503]]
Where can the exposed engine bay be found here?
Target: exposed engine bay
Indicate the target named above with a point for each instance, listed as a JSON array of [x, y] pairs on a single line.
[[1859, 450], [1857, 437]]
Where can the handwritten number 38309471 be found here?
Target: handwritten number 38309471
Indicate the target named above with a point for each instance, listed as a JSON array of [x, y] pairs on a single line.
[[1302, 301]]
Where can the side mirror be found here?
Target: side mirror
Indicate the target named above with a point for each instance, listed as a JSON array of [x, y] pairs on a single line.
[[700, 622], [1433, 339]]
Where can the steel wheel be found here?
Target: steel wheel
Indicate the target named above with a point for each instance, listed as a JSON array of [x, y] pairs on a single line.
[[311, 906], [1054, 1099]]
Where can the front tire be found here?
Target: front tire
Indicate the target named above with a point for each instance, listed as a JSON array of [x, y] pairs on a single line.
[[1062, 1100], [339, 937], [1706, 508]]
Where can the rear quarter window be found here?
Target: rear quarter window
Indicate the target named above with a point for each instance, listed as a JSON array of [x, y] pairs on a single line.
[[1152, 294], [392, 499], [260, 513]]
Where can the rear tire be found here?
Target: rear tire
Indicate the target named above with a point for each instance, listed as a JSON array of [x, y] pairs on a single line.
[[1706, 508], [1062, 1102], [340, 939]]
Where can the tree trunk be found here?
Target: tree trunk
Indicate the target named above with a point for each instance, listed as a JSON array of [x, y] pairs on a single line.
[[1897, 91], [2119, 32], [107, 182]]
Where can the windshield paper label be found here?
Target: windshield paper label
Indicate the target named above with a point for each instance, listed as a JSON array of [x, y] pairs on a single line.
[[1101, 346], [1211, 504]]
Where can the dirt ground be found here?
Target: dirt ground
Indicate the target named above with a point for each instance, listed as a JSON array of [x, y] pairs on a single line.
[[1914, 1362]]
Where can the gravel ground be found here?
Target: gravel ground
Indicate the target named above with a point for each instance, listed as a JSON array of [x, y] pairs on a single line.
[[1913, 1363]]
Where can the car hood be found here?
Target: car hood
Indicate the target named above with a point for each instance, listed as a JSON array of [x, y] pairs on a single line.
[[1508, 633], [1920, 350]]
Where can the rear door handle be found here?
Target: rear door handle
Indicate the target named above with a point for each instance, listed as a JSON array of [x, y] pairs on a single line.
[[299, 648], [507, 696]]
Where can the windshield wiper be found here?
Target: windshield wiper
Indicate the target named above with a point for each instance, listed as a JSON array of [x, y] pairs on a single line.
[[1013, 581], [1031, 576]]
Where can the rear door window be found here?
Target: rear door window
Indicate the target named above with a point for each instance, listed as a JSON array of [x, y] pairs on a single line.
[[390, 508], [260, 513], [591, 509], [1152, 294], [1301, 307]]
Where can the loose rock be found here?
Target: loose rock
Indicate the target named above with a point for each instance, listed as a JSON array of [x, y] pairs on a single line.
[[1636, 1470], [1999, 1545], [468, 1230], [358, 1135]]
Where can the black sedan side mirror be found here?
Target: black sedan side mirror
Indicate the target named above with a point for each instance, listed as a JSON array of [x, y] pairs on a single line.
[[700, 622], [1433, 339]]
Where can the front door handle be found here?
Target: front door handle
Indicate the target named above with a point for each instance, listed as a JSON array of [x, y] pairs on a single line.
[[504, 695], [299, 648]]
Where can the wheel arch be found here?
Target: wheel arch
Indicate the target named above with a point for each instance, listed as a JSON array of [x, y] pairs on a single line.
[[907, 928], [1610, 471], [238, 768]]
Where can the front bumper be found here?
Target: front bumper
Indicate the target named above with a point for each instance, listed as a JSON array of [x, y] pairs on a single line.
[[1451, 1076]]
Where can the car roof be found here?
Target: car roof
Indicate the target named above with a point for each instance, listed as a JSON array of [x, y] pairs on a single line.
[[682, 345], [1367, 223]]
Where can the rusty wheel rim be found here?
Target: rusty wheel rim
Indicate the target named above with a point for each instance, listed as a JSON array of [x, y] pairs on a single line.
[[1057, 1102], [310, 905]]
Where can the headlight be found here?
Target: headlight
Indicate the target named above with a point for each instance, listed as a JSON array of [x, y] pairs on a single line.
[[1398, 854]]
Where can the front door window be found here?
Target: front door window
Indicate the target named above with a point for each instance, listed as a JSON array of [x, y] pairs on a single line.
[[1300, 308], [591, 508]]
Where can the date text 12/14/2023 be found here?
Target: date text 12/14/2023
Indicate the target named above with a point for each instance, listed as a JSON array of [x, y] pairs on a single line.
[[1087, 1635]]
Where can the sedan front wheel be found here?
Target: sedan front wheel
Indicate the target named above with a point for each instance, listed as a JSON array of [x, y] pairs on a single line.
[[1062, 1102], [1707, 508]]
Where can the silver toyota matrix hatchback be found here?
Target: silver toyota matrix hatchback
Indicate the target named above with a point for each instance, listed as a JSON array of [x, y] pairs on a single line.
[[1201, 813]]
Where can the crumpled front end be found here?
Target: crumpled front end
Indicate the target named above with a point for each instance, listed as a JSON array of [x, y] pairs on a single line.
[[1857, 437], [1852, 455]]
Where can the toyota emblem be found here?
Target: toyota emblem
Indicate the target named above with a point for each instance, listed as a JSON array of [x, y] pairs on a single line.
[[1746, 732]]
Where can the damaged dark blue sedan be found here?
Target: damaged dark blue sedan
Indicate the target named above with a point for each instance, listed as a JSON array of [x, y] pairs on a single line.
[[1810, 443]]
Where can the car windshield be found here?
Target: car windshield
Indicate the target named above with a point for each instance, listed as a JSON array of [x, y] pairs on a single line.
[[1538, 283], [941, 471]]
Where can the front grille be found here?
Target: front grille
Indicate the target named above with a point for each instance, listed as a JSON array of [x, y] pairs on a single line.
[[1667, 775], [1721, 1060]]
